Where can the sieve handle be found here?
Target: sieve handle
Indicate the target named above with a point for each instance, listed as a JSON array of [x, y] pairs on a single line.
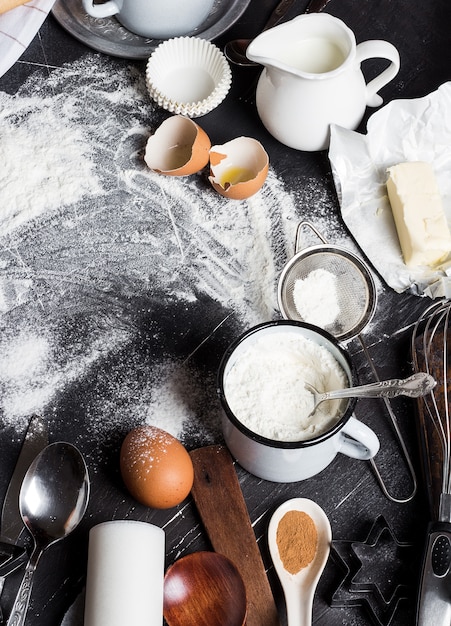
[[413, 387], [301, 226]]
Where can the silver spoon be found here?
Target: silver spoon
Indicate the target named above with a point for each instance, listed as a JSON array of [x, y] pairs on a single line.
[[52, 501], [235, 50], [299, 589], [413, 387]]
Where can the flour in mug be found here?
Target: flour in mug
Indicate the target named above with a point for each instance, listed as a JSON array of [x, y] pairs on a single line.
[[265, 387]]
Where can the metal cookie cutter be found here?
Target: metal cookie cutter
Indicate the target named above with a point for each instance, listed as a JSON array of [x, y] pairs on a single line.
[[356, 292], [371, 567]]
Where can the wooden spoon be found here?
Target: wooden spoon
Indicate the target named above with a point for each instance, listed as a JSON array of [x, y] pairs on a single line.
[[204, 589], [219, 500], [7, 5]]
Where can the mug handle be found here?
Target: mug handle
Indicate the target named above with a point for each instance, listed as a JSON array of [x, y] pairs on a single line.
[[106, 9], [376, 48], [358, 440]]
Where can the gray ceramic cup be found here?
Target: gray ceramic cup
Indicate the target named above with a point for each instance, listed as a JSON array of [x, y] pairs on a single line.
[[291, 461]]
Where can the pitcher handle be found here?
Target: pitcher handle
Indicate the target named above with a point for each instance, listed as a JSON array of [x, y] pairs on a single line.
[[377, 48], [106, 9], [358, 440]]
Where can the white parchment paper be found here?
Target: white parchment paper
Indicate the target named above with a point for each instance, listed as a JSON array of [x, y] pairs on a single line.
[[404, 130]]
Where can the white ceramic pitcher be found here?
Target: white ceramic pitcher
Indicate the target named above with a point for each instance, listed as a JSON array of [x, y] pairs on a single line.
[[312, 79]]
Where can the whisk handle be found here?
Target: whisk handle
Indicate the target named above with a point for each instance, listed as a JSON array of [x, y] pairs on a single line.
[[434, 603]]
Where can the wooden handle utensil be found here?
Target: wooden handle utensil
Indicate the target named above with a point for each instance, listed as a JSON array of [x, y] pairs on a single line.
[[220, 502], [429, 436], [7, 5]]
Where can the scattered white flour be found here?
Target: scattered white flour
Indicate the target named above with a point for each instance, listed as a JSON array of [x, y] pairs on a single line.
[[265, 387], [316, 298], [47, 178], [113, 278], [117, 284]]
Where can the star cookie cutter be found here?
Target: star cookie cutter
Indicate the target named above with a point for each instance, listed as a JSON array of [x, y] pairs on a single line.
[[371, 568]]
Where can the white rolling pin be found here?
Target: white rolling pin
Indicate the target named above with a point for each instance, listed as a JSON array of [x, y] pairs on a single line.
[[125, 576]]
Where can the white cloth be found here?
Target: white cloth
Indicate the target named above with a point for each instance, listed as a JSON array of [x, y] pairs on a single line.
[[18, 27]]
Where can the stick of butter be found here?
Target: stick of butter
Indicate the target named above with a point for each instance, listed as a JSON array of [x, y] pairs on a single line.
[[417, 207]]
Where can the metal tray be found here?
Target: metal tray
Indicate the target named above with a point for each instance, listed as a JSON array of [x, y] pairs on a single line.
[[107, 35]]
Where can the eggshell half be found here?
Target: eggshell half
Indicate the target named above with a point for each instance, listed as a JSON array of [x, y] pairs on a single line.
[[155, 467], [179, 147], [238, 168]]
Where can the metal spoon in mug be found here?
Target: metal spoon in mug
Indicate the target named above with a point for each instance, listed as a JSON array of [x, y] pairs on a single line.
[[235, 50], [299, 588], [52, 501], [413, 387]]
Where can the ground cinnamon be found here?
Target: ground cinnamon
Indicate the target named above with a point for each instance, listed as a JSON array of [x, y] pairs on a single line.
[[297, 540]]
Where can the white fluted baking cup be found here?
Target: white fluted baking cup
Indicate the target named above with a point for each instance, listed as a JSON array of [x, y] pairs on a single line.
[[188, 76]]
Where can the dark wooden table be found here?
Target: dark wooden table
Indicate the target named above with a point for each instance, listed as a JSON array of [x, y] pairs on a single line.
[[162, 328]]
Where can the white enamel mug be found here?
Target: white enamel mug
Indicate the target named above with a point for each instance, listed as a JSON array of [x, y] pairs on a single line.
[[291, 461], [155, 19]]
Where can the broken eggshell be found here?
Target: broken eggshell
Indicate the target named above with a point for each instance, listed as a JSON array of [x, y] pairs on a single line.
[[179, 147], [238, 168]]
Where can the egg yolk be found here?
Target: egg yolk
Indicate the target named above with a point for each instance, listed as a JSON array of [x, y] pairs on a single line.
[[234, 175]]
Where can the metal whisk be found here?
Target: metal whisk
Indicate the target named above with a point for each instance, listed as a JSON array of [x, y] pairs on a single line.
[[430, 353]]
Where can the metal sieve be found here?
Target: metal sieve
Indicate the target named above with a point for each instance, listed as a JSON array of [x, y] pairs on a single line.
[[356, 293], [356, 290]]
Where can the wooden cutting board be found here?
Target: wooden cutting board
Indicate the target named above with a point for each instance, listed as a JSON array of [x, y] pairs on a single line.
[[220, 502]]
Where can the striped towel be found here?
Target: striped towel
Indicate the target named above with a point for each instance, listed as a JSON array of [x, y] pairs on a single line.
[[18, 28]]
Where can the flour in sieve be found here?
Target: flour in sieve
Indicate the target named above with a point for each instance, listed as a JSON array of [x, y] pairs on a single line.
[[316, 298], [265, 387]]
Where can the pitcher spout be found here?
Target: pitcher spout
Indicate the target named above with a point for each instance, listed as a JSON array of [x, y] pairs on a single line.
[[267, 49]]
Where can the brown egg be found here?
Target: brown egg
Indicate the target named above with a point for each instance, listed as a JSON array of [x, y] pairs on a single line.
[[238, 168], [155, 467], [178, 147]]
